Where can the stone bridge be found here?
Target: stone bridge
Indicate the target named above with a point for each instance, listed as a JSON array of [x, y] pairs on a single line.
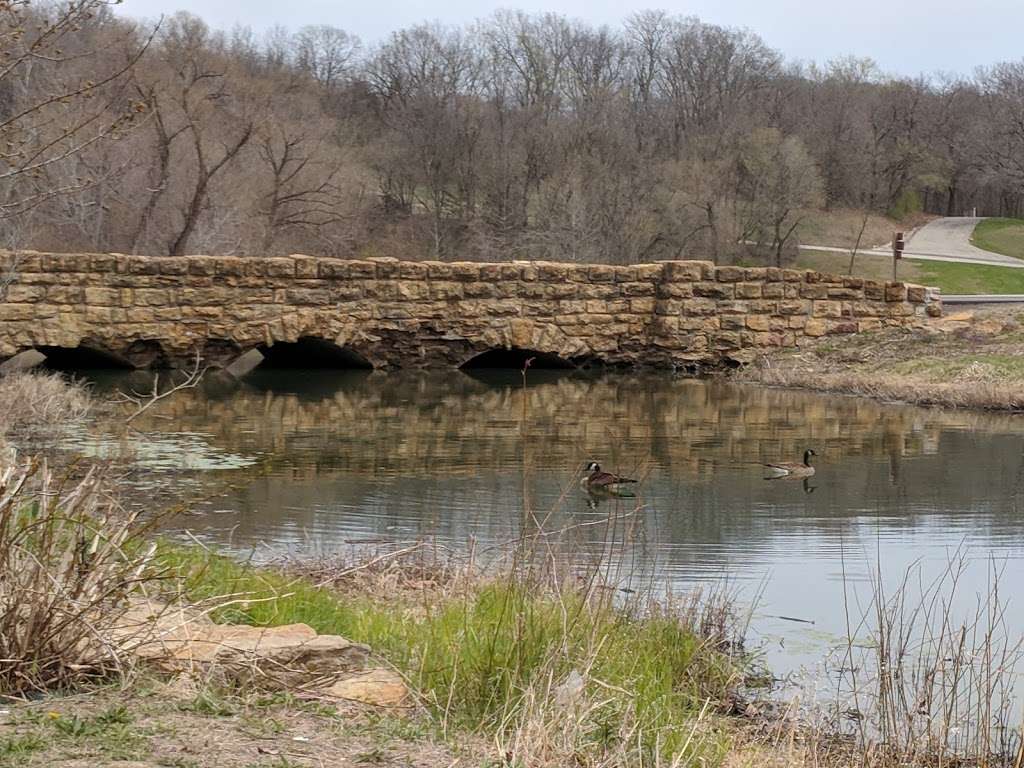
[[382, 313]]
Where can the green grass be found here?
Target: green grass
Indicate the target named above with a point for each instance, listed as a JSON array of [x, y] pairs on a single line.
[[949, 277], [954, 277], [1005, 236], [868, 266], [109, 735], [477, 658], [1002, 367]]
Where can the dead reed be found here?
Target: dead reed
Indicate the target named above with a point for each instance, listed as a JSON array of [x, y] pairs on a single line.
[[70, 558], [36, 402]]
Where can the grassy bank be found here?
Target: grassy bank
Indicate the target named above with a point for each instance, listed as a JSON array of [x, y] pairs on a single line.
[[550, 670], [966, 360], [1005, 236]]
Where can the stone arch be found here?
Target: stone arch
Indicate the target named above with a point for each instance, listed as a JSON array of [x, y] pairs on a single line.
[[147, 353], [312, 352], [86, 355], [515, 358]]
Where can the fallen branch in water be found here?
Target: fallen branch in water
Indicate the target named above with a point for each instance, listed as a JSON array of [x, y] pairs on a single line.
[[144, 401]]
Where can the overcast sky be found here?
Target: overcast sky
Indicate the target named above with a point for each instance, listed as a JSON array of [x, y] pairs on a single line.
[[904, 36]]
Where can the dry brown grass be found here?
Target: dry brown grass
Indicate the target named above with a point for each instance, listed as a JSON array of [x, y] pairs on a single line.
[[982, 395], [969, 360], [37, 402], [69, 560]]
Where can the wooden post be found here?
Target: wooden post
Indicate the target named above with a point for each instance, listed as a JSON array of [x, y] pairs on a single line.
[[897, 252]]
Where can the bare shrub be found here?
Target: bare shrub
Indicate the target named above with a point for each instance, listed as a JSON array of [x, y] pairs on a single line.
[[37, 401], [936, 683], [69, 560]]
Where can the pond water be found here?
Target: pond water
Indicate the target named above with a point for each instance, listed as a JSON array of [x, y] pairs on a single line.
[[310, 461]]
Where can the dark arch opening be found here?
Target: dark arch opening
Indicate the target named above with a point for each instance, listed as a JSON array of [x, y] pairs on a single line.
[[311, 352], [515, 358], [84, 357], [147, 353]]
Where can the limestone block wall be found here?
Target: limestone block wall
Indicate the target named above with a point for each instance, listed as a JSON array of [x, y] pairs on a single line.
[[162, 310]]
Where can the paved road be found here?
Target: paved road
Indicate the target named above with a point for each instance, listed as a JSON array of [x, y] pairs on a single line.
[[947, 239], [983, 298], [951, 237]]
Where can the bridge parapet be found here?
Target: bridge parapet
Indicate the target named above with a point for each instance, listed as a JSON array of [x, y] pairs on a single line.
[[392, 313]]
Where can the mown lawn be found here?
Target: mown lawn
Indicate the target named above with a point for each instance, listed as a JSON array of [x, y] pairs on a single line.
[[950, 277], [1005, 236], [954, 277]]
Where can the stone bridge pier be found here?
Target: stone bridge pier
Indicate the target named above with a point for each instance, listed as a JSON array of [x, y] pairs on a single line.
[[301, 311]]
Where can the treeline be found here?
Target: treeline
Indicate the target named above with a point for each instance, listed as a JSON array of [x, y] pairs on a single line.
[[517, 136]]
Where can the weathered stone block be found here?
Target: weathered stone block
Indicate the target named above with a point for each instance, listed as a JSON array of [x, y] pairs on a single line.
[[552, 271], [280, 266], [412, 270], [153, 297], [813, 291], [647, 273], [307, 297], [729, 274], [65, 294], [63, 262], [100, 262], [465, 270], [9, 312], [845, 293], [679, 290], [643, 288], [815, 327], [686, 270], [845, 326], [794, 307], [173, 265], [916, 293], [198, 265], [699, 306], [732, 322], [826, 309], [445, 291], [749, 290], [733, 307], [895, 292], [725, 340], [25, 294], [102, 297], [714, 290], [759, 322], [874, 290]]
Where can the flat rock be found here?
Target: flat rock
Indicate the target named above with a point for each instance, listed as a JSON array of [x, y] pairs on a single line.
[[959, 317], [378, 687], [176, 639]]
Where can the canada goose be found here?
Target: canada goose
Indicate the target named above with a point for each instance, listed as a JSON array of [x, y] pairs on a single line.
[[791, 469], [596, 480]]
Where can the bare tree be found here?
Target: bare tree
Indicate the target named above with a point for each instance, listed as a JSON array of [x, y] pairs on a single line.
[[780, 180], [63, 79], [327, 54]]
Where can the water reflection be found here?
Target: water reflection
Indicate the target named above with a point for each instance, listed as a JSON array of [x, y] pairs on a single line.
[[356, 455]]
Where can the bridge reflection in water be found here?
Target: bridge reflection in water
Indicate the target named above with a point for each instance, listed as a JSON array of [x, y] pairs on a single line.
[[359, 455]]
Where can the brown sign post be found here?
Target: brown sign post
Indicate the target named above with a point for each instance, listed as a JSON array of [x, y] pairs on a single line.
[[897, 251]]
